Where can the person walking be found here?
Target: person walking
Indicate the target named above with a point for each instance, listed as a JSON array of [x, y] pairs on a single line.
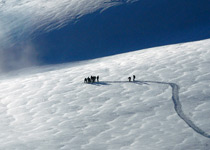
[[129, 79], [134, 77], [85, 80], [88, 80]]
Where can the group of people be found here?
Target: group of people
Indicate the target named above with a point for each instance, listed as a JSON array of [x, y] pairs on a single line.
[[91, 79], [129, 78]]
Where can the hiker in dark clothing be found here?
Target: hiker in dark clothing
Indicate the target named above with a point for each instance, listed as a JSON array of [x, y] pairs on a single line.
[[134, 77], [97, 78], [85, 80], [129, 79], [88, 79], [93, 78]]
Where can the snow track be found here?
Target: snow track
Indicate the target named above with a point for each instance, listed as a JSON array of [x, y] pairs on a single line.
[[176, 101], [178, 107]]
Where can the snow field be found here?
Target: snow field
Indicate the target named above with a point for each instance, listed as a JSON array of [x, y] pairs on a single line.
[[52, 108]]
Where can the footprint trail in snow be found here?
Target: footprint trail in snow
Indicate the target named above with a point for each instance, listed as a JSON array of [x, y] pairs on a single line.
[[176, 101]]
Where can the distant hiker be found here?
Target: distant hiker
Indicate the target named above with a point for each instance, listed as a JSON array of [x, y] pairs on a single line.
[[88, 80], [85, 80], [134, 77], [129, 79], [93, 78]]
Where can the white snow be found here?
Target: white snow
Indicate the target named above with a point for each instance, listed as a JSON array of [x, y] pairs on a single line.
[[24, 17], [51, 107]]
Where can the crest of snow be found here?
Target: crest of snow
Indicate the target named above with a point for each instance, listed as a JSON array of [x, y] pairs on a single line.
[[27, 16]]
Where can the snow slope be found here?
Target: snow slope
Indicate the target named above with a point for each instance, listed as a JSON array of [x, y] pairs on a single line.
[[166, 108]]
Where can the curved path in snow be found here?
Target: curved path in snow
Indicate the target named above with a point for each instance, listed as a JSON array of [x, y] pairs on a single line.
[[178, 107], [176, 101]]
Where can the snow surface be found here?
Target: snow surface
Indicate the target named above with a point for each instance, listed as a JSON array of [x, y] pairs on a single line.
[[22, 17], [166, 108]]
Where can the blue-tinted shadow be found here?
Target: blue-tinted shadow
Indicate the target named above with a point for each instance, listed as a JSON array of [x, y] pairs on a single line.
[[124, 28]]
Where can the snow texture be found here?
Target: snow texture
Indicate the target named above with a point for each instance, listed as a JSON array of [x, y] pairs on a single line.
[[167, 107], [24, 17]]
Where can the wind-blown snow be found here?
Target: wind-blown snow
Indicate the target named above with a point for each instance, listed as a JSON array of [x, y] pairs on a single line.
[[73, 30], [166, 108], [23, 17]]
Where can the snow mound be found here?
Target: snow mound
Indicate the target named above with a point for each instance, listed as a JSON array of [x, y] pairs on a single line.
[[166, 108]]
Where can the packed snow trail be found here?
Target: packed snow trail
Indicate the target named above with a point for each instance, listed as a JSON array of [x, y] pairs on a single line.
[[178, 107], [175, 98]]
